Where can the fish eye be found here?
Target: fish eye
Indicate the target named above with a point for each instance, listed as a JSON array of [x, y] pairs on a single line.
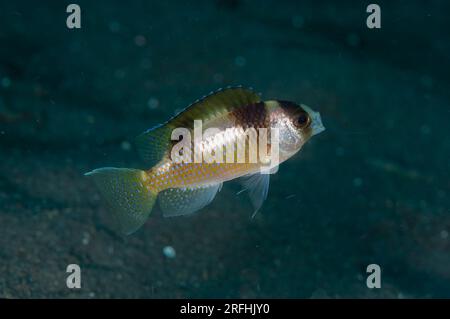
[[302, 120]]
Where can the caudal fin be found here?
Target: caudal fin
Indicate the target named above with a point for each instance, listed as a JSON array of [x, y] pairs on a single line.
[[130, 200]]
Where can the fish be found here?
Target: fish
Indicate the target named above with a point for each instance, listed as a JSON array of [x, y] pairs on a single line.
[[184, 175]]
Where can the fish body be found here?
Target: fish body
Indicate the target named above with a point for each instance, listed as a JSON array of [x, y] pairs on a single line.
[[237, 135]]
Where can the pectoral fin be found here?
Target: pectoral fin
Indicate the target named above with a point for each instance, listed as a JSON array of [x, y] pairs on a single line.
[[258, 188]]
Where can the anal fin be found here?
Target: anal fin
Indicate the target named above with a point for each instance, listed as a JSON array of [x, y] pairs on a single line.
[[184, 201]]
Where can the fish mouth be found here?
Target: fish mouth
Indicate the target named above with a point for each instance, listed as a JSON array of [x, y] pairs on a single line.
[[317, 126], [316, 121]]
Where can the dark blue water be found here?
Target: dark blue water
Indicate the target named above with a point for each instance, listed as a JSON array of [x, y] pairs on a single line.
[[372, 189]]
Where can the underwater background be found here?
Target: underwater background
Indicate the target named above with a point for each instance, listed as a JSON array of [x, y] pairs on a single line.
[[373, 188]]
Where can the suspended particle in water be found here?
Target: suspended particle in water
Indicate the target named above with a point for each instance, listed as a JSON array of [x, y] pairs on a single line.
[[298, 21], [425, 129], [340, 151], [353, 40], [152, 103], [218, 78], [119, 74], [169, 252], [146, 64], [140, 40], [90, 119], [240, 61], [125, 145], [426, 81], [357, 182], [6, 82], [86, 238], [114, 26]]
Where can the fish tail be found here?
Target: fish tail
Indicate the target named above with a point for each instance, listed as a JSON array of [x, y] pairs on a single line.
[[124, 189]]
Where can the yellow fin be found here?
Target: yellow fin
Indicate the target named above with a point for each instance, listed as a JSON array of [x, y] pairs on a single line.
[[130, 200], [184, 201]]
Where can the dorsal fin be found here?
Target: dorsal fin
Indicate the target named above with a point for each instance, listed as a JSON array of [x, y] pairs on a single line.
[[214, 105], [154, 143]]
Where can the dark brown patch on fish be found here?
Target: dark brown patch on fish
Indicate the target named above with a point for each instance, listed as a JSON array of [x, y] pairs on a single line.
[[252, 115]]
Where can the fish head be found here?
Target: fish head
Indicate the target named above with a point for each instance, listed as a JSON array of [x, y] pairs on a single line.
[[297, 123]]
